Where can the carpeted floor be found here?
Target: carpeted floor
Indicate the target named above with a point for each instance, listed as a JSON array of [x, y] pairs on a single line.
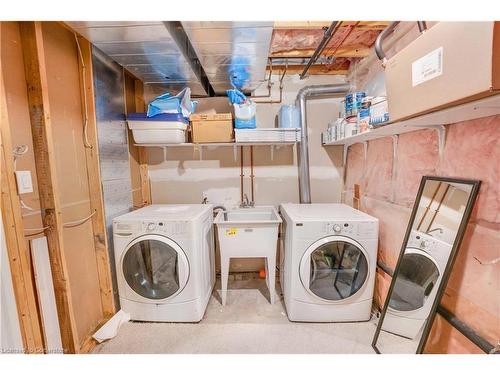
[[247, 324]]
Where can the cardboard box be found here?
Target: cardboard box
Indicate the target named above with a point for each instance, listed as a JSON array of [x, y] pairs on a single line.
[[212, 128], [450, 64]]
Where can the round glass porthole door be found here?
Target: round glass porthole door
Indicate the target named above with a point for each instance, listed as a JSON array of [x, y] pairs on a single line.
[[155, 267], [416, 279], [334, 268]]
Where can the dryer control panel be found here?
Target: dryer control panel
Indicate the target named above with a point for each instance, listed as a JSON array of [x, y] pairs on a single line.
[[340, 228], [350, 229]]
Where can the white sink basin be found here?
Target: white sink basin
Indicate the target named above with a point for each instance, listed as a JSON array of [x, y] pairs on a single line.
[[259, 214]]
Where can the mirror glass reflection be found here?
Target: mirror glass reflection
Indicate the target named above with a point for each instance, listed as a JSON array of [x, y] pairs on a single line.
[[440, 209]]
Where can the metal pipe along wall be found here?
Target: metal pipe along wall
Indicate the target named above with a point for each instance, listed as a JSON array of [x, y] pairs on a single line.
[[311, 92]]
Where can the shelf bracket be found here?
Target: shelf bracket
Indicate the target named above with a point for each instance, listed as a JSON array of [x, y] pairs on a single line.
[[164, 153], [344, 156], [272, 153], [441, 131], [200, 151], [365, 150], [235, 153]]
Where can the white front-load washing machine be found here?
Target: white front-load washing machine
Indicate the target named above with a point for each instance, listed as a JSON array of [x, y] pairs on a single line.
[[328, 263], [165, 262], [417, 283]]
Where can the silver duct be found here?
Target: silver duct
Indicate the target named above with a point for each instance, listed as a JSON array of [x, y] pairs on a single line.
[[311, 92]]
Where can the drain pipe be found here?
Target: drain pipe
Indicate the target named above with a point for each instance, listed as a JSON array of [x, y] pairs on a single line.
[[311, 92]]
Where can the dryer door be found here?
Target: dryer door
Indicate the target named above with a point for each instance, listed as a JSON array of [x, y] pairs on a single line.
[[334, 268], [417, 277], [155, 268]]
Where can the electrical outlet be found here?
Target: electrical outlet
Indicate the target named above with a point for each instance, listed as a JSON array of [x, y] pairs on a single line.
[[24, 182]]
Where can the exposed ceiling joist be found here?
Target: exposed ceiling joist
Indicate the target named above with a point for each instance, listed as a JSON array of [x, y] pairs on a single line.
[[314, 69], [314, 25], [349, 51]]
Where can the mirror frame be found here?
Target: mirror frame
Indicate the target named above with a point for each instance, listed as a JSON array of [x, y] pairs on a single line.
[[475, 184]]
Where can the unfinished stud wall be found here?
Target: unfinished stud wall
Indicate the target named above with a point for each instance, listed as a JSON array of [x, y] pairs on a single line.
[[472, 150], [10, 332], [182, 177], [81, 271], [19, 118]]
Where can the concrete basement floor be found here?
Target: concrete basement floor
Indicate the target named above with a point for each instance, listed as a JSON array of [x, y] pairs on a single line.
[[248, 324]]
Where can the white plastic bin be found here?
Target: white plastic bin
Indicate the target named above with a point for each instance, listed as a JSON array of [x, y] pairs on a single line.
[[164, 128]]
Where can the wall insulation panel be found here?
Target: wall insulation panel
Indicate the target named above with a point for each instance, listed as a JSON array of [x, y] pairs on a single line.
[[113, 145]]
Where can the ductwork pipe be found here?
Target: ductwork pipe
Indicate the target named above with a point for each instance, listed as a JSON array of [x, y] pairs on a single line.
[[378, 43], [311, 92]]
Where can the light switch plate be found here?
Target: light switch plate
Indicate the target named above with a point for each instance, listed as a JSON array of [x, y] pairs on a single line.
[[24, 182]]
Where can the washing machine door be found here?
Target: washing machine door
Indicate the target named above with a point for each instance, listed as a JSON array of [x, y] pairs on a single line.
[[334, 268], [417, 278], [155, 268]]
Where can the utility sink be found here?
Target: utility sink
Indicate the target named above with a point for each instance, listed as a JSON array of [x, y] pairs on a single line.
[[258, 214], [248, 233]]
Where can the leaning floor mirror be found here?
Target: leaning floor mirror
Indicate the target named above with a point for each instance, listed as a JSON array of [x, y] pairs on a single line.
[[436, 228]]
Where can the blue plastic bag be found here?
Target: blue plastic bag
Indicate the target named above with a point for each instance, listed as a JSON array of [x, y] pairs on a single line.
[[168, 103], [236, 96]]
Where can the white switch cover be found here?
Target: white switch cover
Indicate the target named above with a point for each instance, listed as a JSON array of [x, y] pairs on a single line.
[[24, 182]]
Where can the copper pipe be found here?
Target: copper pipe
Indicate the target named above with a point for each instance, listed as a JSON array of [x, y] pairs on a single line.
[[251, 173], [241, 172], [269, 88], [438, 208], [428, 206]]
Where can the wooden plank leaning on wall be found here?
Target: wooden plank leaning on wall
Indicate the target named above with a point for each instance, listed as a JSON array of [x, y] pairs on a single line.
[[17, 249], [94, 178], [36, 79], [142, 152]]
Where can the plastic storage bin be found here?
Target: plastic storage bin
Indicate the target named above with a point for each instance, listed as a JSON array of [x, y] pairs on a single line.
[[164, 128], [289, 117]]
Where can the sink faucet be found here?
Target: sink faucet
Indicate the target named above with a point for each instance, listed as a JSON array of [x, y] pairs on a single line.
[[435, 229], [246, 203]]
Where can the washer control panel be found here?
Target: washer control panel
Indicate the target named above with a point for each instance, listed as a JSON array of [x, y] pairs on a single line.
[[166, 228]]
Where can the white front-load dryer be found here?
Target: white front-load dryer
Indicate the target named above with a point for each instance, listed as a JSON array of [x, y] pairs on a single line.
[[328, 263], [419, 275], [165, 262]]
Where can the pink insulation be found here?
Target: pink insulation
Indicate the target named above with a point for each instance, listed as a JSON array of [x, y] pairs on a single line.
[[378, 171], [393, 220], [472, 151], [444, 339], [304, 39], [417, 156]]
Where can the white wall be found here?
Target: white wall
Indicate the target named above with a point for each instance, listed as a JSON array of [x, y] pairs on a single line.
[[10, 332]]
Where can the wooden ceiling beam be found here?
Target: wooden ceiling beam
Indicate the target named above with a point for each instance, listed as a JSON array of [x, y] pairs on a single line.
[[349, 51], [315, 25], [314, 69]]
